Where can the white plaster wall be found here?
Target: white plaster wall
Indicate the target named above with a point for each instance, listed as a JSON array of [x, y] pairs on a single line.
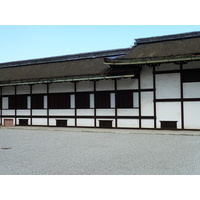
[[72, 101], [85, 122], [8, 90], [25, 89], [112, 100], [85, 86], [192, 115], [147, 105], [127, 84], [168, 111], [146, 77], [147, 123], [113, 121], [40, 88], [135, 99], [70, 122], [62, 112], [191, 90], [29, 121], [91, 100], [128, 112], [61, 87], [85, 112], [23, 112], [128, 123], [45, 102], [105, 85], [167, 67], [8, 112], [105, 112], [192, 65], [168, 86], [39, 112], [8, 118], [39, 121], [4, 102]]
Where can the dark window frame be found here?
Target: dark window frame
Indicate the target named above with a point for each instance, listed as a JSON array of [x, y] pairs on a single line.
[[102, 99], [82, 100], [124, 99], [59, 101]]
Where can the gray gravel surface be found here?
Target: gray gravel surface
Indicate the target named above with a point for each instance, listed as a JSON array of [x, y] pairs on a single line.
[[38, 151]]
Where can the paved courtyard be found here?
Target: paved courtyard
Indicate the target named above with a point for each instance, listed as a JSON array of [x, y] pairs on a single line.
[[51, 151]]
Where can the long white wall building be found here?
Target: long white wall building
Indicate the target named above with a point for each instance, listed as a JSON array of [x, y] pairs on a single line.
[[155, 85]]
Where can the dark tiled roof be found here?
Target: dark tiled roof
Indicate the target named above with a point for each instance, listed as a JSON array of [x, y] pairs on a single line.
[[178, 46], [57, 68]]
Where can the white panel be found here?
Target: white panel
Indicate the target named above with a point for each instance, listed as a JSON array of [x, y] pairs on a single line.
[[39, 121], [113, 121], [28, 102], [168, 86], [135, 99], [127, 84], [61, 87], [191, 90], [4, 102], [105, 112], [146, 77], [39, 112], [192, 115], [8, 90], [105, 85], [168, 111], [40, 88], [72, 101], [192, 65], [91, 100], [8, 112], [85, 112], [45, 102], [23, 112], [85, 122], [147, 105], [128, 112], [128, 123], [25, 89], [62, 112], [112, 100], [168, 66], [147, 123], [85, 86]]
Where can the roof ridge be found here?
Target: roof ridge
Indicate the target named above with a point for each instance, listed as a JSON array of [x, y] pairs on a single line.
[[70, 57], [167, 37]]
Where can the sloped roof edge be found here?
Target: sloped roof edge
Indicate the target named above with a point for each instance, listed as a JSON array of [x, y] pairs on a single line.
[[70, 57]]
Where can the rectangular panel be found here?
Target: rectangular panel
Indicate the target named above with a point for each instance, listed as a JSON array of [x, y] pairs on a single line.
[[167, 86], [62, 112], [85, 86], [146, 77], [8, 90], [61, 87], [105, 123], [85, 122], [105, 112], [39, 121], [127, 112], [40, 88], [85, 112], [147, 105], [127, 84], [61, 123], [4, 102], [128, 123], [72, 101], [135, 99], [147, 123], [25, 89], [112, 100], [91, 100], [191, 90], [105, 85]]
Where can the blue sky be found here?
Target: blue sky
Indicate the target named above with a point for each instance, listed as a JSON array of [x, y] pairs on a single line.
[[24, 42]]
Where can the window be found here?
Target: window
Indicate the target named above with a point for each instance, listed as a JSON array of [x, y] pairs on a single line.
[[102, 100], [168, 124], [59, 101], [82, 100], [191, 75], [0, 102], [18, 102], [124, 99], [105, 123], [37, 101]]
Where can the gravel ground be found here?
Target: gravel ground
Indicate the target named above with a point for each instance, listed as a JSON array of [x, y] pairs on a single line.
[[38, 151]]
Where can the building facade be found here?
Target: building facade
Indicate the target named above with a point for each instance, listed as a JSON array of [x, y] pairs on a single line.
[[155, 84]]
